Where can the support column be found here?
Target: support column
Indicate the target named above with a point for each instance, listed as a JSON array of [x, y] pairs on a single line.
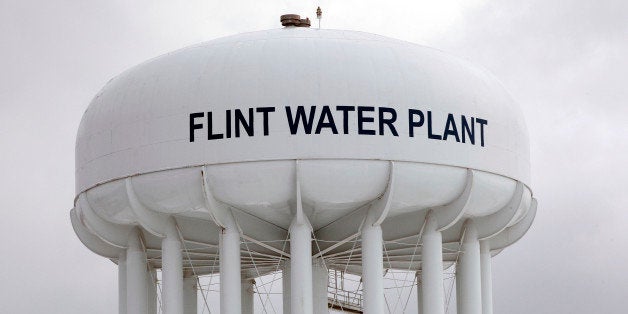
[[419, 292], [190, 295], [122, 283], [230, 296], [320, 279], [172, 270], [487, 280], [373, 269], [248, 294], [136, 271], [468, 279], [432, 268], [285, 286], [300, 268], [151, 284]]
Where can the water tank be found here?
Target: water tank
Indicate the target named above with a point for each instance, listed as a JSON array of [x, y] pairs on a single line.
[[306, 147]]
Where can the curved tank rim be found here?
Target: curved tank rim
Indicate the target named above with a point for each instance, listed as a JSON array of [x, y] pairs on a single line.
[[78, 193]]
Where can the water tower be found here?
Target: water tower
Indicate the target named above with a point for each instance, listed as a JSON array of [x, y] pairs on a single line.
[[302, 150]]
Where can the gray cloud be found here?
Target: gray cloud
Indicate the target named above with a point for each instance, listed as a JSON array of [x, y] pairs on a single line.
[[564, 61]]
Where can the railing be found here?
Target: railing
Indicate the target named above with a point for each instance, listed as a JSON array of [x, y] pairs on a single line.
[[345, 299], [339, 298]]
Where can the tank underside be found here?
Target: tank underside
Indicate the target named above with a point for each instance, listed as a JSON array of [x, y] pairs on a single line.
[[335, 196]]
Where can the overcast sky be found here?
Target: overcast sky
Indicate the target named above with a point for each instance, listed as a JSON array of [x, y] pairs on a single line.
[[566, 62]]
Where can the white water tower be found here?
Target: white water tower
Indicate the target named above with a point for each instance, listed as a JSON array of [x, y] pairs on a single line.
[[302, 150]]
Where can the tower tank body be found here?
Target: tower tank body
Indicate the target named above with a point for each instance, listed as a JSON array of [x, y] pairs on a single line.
[[302, 149]]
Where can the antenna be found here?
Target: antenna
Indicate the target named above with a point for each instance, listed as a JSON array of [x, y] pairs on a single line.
[[319, 14]]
